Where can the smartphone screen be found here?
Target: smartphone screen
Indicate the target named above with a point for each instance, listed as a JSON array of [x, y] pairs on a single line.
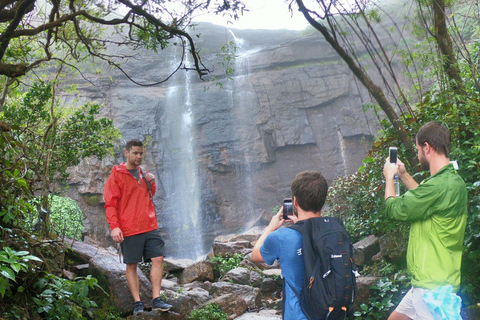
[[393, 154], [287, 208]]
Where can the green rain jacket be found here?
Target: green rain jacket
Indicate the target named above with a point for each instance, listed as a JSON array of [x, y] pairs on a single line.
[[437, 210]]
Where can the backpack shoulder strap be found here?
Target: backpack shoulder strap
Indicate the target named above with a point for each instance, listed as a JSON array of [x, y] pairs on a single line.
[[149, 187], [299, 226]]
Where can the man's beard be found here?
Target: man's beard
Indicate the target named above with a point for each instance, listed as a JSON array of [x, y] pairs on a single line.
[[424, 164]]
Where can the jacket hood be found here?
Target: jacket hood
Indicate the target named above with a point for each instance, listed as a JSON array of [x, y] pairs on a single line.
[[122, 168]]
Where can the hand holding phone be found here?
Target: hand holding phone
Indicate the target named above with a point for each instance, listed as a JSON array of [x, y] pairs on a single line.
[[287, 208], [393, 154]]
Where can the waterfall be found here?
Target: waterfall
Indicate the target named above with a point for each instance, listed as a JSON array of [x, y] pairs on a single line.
[[182, 213], [246, 130]]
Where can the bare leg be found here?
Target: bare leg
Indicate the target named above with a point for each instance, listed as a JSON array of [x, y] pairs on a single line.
[[398, 316], [132, 281], [156, 274]]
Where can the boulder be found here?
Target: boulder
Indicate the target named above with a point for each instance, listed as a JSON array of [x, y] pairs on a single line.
[[268, 286], [170, 265], [184, 301], [262, 315], [251, 235], [199, 271], [393, 248], [232, 304], [274, 273], [104, 265], [363, 290], [250, 294], [156, 315], [229, 249], [365, 249], [243, 276]]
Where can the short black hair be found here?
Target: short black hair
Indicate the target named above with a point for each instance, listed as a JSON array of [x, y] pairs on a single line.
[[437, 136], [133, 143], [310, 189]]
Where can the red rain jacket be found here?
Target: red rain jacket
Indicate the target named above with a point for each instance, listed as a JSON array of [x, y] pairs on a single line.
[[128, 204]]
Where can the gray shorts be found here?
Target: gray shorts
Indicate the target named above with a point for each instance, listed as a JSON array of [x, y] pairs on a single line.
[[146, 245]]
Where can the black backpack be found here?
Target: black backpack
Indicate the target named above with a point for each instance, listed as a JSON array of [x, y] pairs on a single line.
[[329, 286]]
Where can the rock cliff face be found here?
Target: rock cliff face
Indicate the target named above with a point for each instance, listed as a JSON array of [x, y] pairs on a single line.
[[224, 156]]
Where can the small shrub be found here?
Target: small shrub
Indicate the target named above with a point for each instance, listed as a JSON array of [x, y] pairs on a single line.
[[275, 210], [222, 265], [11, 263], [62, 299], [388, 293], [65, 219], [209, 312]]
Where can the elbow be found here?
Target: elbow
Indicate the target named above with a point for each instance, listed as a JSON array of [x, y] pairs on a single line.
[[256, 256]]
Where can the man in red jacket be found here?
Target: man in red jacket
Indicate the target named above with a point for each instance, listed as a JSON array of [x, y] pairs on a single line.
[[133, 223]]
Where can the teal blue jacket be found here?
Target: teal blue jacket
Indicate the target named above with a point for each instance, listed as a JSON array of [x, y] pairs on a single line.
[[437, 210]]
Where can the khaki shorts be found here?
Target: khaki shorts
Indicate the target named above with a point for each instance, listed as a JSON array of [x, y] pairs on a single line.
[[146, 245], [413, 306]]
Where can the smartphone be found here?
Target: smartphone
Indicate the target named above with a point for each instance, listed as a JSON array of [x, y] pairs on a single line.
[[393, 153], [287, 208]]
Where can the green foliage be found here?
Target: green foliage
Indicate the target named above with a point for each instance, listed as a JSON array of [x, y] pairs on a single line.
[[209, 312], [12, 179], [227, 61], [471, 259], [63, 299], [43, 141], [52, 137], [151, 37], [11, 263], [222, 265], [358, 200], [66, 218], [388, 292], [275, 209]]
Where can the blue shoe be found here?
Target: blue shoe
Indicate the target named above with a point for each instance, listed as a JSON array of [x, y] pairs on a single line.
[[137, 307], [159, 304]]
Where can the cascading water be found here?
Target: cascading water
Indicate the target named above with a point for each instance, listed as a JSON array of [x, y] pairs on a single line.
[[246, 126], [182, 212]]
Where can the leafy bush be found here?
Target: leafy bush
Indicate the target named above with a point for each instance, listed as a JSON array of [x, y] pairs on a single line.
[[222, 265], [209, 312], [358, 198], [471, 258], [388, 292], [66, 217], [11, 263], [62, 299]]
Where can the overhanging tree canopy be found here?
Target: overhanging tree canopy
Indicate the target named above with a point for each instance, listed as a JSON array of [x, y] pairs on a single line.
[[33, 32]]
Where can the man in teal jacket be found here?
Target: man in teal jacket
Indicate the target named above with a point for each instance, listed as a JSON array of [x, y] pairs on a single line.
[[437, 211]]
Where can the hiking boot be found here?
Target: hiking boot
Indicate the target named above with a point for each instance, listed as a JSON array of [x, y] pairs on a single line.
[[137, 307], [159, 304]]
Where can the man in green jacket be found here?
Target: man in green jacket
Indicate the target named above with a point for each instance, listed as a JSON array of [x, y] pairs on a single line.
[[437, 211]]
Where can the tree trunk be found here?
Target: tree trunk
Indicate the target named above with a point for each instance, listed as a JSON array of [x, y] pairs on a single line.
[[444, 42]]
